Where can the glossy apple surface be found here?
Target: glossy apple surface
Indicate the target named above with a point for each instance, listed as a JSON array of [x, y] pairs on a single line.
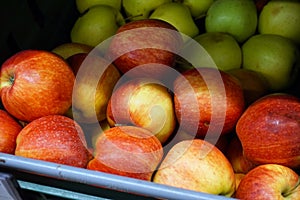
[[127, 151], [208, 102], [9, 130], [36, 83], [269, 181], [54, 138], [148, 42], [144, 103], [197, 165], [269, 130]]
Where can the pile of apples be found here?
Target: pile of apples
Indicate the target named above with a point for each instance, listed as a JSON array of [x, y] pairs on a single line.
[[191, 94]]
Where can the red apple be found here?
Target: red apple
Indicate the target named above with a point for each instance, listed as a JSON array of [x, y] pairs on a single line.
[[127, 151], [208, 102], [142, 42], [76, 60], [269, 130], [9, 130], [197, 165], [236, 157], [145, 103], [54, 138], [269, 181], [36, 83]]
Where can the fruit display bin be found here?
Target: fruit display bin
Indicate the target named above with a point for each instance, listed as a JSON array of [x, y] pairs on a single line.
[[30, 24], [42, 24], [77, 183]]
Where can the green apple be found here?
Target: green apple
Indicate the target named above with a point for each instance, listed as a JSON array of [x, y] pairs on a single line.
[[197, 8], [179, 16], [68, 49], [96, 25], [223, 48], [282, 18], [275, 57], [236, 17], [141, 9], [84, 5]]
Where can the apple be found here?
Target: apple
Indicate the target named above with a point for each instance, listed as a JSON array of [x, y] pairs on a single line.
[[281, 18], [234, 154], [269, 130], [68, 49], [150, 42], [222, 47], [253, 83], [96, 25], [53, 138], [127, 151], [83, 6], [269, 181], [140, 9], [9, 130], [208, 102], [238, 179], [179, 16], [36, 83], [196, 7], [273, 56], [197, 165], [145, 103], [95, 80], [235, 17]]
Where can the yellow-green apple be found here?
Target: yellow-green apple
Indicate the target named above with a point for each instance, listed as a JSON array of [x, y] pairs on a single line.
[[273, 56], [253, 83], [145, 103], [140, 9], [197, 165], [36, 83], [96, 25], [269, 181], [66, 50], [208, 102], [281, 18], [235, 17], [179, 16], [149, 42], [53, 138], [127, 151], [95, 80], [83, 6], [9, 130], [234, 154], [269, 130], [196, 7], [222, 47]]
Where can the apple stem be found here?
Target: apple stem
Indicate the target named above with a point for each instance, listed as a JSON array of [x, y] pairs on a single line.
[[289, 192], [11, 79], [200, 16], [131, 17]]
